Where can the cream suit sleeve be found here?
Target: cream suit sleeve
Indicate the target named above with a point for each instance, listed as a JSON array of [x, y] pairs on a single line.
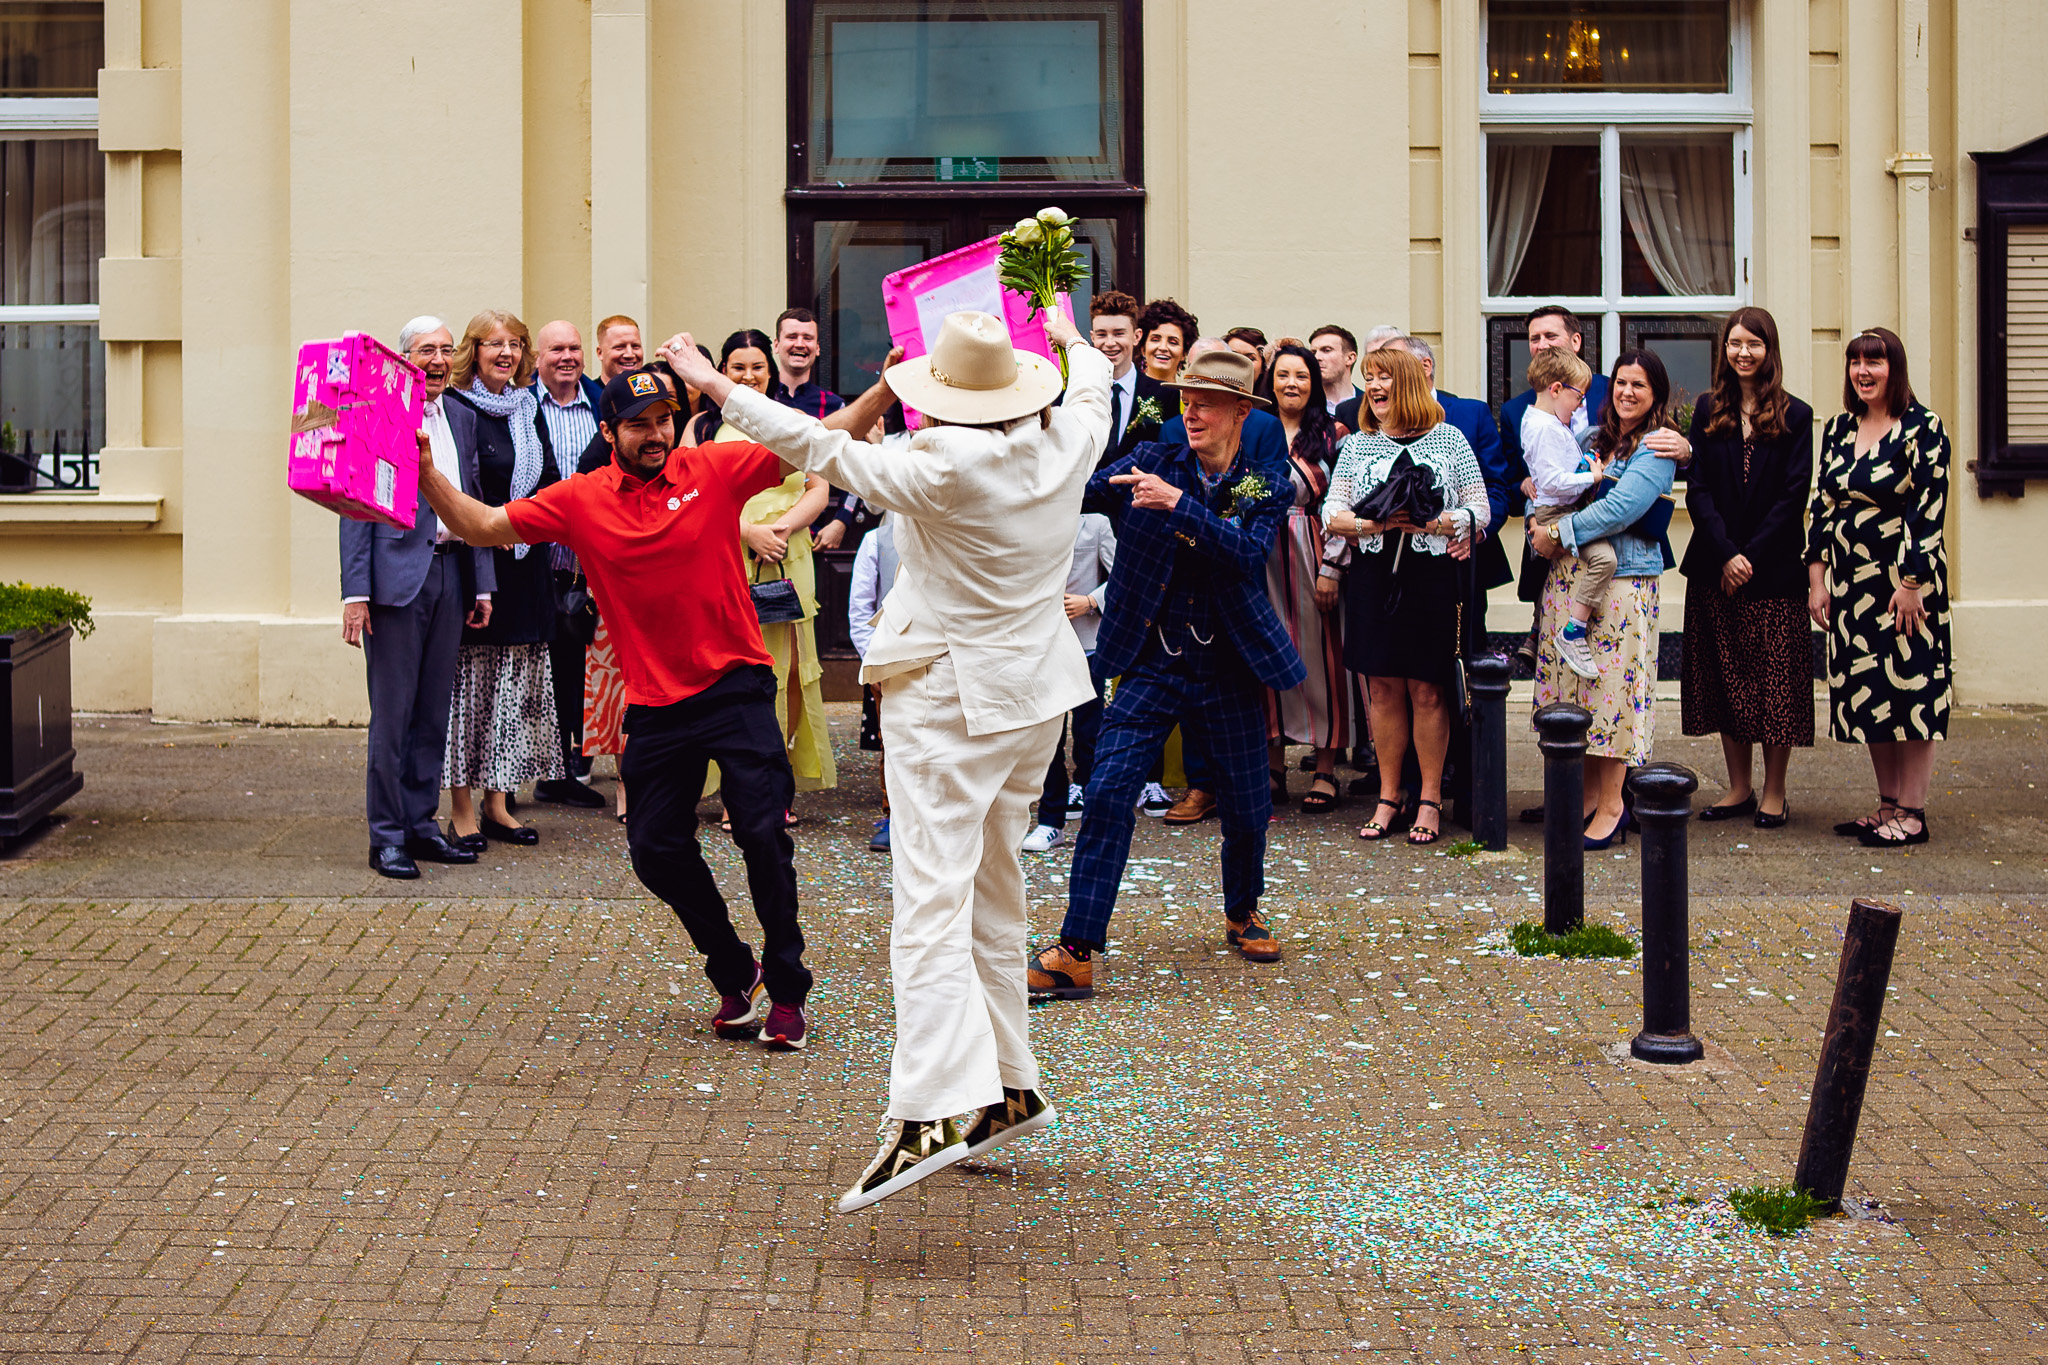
[[915, 483]]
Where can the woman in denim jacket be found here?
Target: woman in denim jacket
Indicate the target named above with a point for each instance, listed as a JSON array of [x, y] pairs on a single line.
[[1635, 433]]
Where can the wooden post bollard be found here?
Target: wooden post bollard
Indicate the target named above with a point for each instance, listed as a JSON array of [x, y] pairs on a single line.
[[1561, 735], [1488, 679], [1664, 809], [1845, 1050]]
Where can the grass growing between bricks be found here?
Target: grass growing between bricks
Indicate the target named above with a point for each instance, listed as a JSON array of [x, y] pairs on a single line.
[[1588, 940], [1780, 1210]]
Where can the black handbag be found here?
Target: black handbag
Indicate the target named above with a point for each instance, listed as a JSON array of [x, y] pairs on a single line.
[[1461, 690], [578, 610], [775, 602]]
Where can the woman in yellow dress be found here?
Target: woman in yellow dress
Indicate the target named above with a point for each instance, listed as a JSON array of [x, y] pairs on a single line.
[[775, 542]]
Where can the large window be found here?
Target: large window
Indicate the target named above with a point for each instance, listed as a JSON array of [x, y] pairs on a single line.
[[919, 126], [1617, 169], [52, 235]]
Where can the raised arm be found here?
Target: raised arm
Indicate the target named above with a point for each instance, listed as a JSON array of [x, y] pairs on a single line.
[[474, 522]]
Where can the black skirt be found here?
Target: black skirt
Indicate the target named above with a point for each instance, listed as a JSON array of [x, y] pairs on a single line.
[[1401, 622]]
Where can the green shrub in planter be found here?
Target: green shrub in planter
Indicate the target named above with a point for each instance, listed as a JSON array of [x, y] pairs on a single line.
[[25, 609]]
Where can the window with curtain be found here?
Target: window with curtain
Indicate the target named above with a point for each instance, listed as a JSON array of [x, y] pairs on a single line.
[[52, 235]]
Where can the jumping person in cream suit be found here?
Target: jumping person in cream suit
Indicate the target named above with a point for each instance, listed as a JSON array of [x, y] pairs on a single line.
[[977, 663]]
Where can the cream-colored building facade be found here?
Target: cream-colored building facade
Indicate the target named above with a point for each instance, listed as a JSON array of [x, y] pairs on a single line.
[[281, 171]]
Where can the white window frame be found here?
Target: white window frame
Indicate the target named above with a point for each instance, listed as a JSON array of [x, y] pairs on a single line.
[[1611, 116]]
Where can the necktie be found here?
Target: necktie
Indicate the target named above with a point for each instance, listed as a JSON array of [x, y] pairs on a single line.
[[1116, 414]]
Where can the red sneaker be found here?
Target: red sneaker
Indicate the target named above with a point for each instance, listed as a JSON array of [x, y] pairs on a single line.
[[784, 1031], [738, 1015]]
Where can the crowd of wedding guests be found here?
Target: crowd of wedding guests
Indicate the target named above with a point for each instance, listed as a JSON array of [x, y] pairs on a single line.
[[1401, 500]]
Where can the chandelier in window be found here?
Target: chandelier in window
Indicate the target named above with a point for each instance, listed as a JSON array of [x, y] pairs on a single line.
[[1582, 53]]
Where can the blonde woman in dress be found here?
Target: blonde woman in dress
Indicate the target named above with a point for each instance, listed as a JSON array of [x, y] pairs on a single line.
[[775, 542]]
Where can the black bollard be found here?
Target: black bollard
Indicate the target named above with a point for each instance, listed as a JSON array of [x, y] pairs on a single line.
[[1487, 678], [1845, 1050], [1664, 808], [1561, 735]]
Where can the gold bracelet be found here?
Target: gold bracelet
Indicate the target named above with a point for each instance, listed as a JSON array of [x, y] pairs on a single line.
[[1908, 581]]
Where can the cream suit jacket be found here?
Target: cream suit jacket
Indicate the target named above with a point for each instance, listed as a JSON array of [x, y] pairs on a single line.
[[985, 526]]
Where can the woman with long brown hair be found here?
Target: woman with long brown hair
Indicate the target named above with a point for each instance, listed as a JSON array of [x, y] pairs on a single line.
[[1404, 588], [1302, 588], [1748, 672], [502, 730], [1878, 582]]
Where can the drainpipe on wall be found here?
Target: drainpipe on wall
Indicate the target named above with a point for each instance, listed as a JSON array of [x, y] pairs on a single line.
[[1912, 166]]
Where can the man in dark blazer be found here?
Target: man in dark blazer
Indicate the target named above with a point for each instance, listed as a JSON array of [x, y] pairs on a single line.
[[1189, 632], [405, 595], [1138, 403]]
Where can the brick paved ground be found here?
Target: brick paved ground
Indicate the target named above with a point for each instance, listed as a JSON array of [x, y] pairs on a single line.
[[256, 1103]]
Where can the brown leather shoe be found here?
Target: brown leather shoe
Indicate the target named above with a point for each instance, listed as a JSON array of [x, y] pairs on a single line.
[[1057, 974], [1253, 939], [1192, 809]]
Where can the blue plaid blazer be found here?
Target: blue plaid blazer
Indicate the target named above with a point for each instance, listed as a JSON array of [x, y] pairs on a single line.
[[1148, 539]]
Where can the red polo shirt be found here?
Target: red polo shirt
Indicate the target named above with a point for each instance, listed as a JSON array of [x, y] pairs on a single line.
[[663, 559]]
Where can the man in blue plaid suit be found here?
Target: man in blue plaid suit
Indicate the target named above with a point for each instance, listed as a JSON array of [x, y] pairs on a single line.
[[1189, 629]]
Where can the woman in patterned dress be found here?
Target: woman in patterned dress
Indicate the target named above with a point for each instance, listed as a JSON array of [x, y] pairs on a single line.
[[1635, 436], [1878, 583], [1748, 674], [1302, 589], [1404, 586]]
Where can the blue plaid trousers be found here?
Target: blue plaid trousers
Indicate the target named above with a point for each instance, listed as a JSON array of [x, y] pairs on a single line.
[[1222, 717]]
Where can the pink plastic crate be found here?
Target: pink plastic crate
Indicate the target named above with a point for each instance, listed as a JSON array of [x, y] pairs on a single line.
[[357, 408]]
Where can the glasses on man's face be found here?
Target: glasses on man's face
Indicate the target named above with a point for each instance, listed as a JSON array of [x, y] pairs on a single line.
[[433, 352]]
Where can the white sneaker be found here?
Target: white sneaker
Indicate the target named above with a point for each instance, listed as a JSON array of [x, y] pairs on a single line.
[[1076, 798], [1154, 800], [1577, 655], [1044, 839]]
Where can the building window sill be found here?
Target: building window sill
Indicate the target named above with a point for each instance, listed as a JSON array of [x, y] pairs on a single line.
[[75, 513]]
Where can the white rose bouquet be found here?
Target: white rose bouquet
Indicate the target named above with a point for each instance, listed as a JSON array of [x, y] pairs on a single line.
[[1037, 259]]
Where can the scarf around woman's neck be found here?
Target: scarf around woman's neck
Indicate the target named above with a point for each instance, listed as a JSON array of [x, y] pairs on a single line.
[[519, 407]]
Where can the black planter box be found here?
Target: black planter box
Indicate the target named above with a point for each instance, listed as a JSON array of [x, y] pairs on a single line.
[[36, 775]]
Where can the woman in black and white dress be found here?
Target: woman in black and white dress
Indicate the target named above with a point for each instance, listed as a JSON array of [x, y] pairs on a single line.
[[502, 730]]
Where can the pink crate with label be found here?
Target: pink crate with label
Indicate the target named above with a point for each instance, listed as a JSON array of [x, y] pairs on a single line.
[[357, 408]]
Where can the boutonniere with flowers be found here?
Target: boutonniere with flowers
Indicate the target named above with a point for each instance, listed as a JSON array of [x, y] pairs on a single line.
[[1243, 496], [1147, 413]]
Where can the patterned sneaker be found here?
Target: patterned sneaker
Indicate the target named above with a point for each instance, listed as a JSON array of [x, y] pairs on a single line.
[[738, 1015], [1057, 974], [1043, 839], [1021, 1113], [1577, 653], [784, 1030], [1252, 938], [1154, 800], [1076, 798], [910, 1152]]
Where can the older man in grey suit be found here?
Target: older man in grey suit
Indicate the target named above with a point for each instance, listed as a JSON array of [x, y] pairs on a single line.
[[405, 595]]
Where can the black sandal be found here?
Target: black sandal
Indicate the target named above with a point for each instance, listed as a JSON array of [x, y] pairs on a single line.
[[1852, 829], [1875, 836], [1315, 800], [1380, 831], [1422, 838]]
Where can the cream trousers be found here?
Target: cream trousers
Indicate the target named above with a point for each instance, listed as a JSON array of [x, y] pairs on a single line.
[[958, 809]]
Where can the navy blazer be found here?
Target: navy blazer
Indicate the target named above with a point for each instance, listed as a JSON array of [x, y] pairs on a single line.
[[1475, 420], [1511, 434], [1135, 432], [1263, 438], [389, 565], [1148, 539]]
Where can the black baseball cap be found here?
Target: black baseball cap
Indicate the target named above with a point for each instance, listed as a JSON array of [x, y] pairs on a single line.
[[631, 393]]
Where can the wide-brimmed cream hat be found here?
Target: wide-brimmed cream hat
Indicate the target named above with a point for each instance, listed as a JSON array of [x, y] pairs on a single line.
[[974, 376], [1220, 370]]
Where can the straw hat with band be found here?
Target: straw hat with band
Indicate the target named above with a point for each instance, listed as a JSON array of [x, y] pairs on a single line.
[[973, 376], [1219, 370]]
